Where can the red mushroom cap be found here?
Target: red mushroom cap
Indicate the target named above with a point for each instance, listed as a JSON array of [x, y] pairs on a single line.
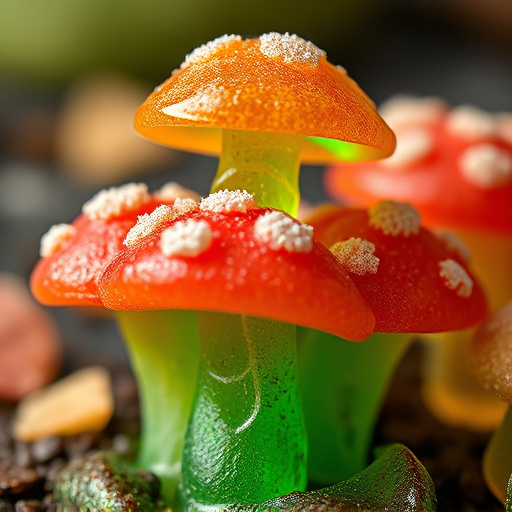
[[455, 166], [413, 280], [229, 256], [73, 255]]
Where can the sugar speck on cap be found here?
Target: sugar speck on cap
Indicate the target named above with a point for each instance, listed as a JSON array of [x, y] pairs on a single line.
[[471, 122], [412, 146], [394, 218], [56, 237], [357, 256], [486, 166], [228, 201], [115, 201], [408, 111], [291, 48], [208, 49], [456, 278], [148, 223], [172, 191], [282, 232], [186, 238]]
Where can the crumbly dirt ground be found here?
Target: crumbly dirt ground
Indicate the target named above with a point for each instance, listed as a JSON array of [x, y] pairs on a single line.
[[452, 456]]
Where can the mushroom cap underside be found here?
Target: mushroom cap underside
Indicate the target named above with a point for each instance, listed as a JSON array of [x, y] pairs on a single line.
[[235, 86], [238, 271], [421, 284]]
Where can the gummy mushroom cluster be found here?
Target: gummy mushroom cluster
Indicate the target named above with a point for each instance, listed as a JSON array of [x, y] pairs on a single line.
[[211, 292]]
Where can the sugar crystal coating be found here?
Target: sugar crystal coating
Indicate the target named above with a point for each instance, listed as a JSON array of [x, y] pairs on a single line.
[[412, 146], [148, 223], [172, 191], [228, 201], [394, 218], [183, 206], [471, 122], [186, 238], [291, 48], [55, 238], [115, 201], [208, 49], [405, 111], [456, 278], [486, 166], [357, 256], [282, 232]]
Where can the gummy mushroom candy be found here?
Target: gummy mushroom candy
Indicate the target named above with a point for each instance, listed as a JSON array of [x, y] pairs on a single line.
[[264, 104], [162, 345], [455, 166], [490, 357], [252, 274], [414, 282]]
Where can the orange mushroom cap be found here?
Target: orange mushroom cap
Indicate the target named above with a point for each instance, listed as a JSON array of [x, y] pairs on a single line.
[[455, 166], [413, 280], [274, 83], [236, 258], [73, 255]]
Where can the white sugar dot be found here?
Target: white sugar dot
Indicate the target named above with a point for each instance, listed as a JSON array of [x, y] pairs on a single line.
[[282, 232], [115, 201], [394, 218], [412, 146], [486, 166], [55, 238], [186, 238], [357, 256], [209, 49], [228, 201], [291, 48], [148, 223], [471, 123], [456, 278]]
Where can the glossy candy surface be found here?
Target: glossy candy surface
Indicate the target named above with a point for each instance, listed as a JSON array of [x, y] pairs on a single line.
[[275, 83], [239, 273], [406, 291]]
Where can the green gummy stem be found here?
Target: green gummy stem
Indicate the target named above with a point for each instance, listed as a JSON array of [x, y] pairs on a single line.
[[246, 441], [343, 384], [263, 163], [163, 348]]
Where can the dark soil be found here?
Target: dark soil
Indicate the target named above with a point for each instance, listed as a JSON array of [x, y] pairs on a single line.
[[451, 456]]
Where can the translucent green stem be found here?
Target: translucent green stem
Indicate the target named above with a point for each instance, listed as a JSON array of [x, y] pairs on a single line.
[[342, 385], [246, 441], [164, 353], [264, 164]]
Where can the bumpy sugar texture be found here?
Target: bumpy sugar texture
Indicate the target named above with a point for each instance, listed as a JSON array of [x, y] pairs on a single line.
[[182, 207], [394, 218], [291, 48], [282, 232], [228, 201], [115, 201], [357, 256], [471, 123], [403, 111], [172, 191], [456, 278], [55, 238], [208, 49], [486, 166], [412, 146], [148, 223], [186, 238]]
